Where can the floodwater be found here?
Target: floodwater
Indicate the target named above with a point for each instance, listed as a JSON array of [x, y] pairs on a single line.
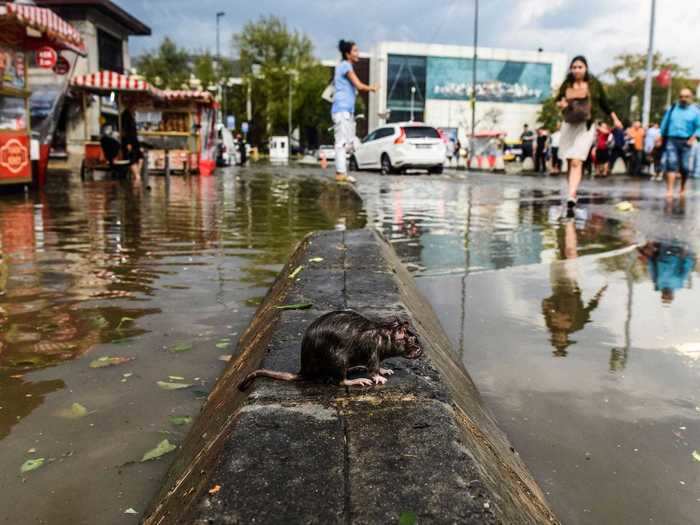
[[168, 279], [585, 348]]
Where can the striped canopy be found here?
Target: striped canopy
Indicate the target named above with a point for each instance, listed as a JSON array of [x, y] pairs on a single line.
[[105, 81], [17, 21], [175, 95]]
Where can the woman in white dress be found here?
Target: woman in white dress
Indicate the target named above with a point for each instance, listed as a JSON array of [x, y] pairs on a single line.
[[582, 100]]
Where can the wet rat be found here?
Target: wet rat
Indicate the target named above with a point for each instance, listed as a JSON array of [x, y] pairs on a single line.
[[344, 340]]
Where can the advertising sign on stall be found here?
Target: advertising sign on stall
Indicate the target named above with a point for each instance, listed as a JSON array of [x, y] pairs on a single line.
[[46, 57], [14, 156]]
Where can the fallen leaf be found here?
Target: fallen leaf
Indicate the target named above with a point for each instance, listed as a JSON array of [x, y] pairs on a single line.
[[180, 420], [298, 306], [696, 455], [222, 344], [407, 518], [127, 375], [110, 361], [31, 451], [624, 206], [31, 464], [130, 511], [76, 411], [164, 447], [181, 347], [176, 378], [215, 489], [296, 271], [172, 386], [316, 259], [226, 358]]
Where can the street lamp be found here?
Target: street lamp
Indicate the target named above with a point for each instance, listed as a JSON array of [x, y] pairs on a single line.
[[219, 15], [646, 105], [476, 43], [413, 100]]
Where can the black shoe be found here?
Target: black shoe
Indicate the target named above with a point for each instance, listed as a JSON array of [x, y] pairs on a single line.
[[570, 209]]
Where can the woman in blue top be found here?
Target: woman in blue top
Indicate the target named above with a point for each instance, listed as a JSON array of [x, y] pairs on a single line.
[[345, 82]]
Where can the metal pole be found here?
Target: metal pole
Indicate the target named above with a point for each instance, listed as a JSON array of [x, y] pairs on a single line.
[[646, 106], [249, 102], [413, 98], [289, 114], [476, 43]]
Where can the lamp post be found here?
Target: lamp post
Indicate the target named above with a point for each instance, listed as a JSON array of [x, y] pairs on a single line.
[[646, 105], [476, 43], [413, 100]]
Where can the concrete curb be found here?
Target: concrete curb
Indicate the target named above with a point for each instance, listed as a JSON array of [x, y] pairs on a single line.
[[299, 453]]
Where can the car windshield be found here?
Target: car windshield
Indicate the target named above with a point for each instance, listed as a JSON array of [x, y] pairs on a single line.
[[421, 132]]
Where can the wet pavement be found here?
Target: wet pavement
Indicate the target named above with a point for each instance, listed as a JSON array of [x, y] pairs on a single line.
[[582, 335], [167, 279]]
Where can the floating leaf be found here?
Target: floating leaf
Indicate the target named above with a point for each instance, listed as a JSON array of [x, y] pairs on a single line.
[[181, 347], [76, 411], [296, 271], [110, 361], [127, 375], [31, 464], [226, 358], [407, 518], [180, 420], [172, 386], [696, 455], [222, 345], [298, 306], [130, 511], [31, 451], [624, 206], [164, 447], [124, 320], [316, 259], [176, 378]]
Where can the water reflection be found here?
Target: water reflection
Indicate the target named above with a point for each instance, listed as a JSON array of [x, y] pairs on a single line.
[[564, 311], [669, 265]]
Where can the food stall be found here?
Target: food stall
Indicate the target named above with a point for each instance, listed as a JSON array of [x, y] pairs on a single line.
[[180, 127], [26, 32]]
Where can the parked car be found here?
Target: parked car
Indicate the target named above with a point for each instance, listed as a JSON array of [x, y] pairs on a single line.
[[397, 147], [328, 151]]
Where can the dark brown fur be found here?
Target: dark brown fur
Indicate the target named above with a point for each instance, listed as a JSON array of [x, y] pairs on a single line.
[[344, 339]]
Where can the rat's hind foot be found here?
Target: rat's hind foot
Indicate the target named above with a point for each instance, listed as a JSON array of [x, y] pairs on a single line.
[[360, 381], [379, 379], [386, 371]]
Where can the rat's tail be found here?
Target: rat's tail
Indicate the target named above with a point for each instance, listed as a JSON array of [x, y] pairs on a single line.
[[272, 374]]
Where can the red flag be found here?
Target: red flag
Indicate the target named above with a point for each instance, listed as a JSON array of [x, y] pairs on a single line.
[[664, 78]]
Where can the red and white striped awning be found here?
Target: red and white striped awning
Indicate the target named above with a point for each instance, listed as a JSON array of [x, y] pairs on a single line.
[[18, 20], [104, 81], [176, 95]]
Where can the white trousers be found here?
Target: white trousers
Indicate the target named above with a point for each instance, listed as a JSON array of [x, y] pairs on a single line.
[[344, 131]]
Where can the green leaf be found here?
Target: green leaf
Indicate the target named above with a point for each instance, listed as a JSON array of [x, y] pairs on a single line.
[[296, 271], [76, 411], [109, 361], [164, 447], [31, 464], [180, 420], [222, 345], [176, 378], [316, 259], [172, 386], [181, 347], [696, 455], [298, 306], [407, 518]]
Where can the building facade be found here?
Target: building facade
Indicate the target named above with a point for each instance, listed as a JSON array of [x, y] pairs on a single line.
[[433, 83]]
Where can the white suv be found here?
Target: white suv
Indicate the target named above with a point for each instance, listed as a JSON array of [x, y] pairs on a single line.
[[400, 146]]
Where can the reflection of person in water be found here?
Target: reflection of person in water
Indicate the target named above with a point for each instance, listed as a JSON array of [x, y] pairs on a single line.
[[669, 265], [564, 311]]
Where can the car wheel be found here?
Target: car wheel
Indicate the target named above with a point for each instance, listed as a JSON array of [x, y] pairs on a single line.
[[436, 170], [352, 164], [387, 168]]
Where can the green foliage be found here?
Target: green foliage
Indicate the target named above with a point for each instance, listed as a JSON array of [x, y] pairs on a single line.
[[167, 68], [549, 115]]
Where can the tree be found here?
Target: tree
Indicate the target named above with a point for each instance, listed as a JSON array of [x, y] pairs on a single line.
[[284, 57], [549, 114], [627, 80], [166, 68]]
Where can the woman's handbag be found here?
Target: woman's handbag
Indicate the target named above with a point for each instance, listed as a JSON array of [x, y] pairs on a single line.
[[578, 110]]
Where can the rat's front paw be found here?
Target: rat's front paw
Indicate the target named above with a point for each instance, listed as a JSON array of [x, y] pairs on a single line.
[[386, 371], [379, 379]]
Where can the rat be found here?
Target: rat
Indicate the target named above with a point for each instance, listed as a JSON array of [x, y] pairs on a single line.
[[344, 340]]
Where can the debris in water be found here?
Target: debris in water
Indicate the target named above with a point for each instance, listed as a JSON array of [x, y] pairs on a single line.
[[624, 206], [215, 489], [696, 455], [316, 259], [176, 378], [181, 347], [122, 321], [226, 358], [172, 386], [180, 420], [76, 411], [296, 272], [110, 361], [164, 447], [298, 306], [31, 464], [130, 511], [407, 518]]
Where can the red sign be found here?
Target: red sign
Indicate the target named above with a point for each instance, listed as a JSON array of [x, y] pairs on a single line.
[[46, 57], [664, 78], [62, 66], [14, 156]]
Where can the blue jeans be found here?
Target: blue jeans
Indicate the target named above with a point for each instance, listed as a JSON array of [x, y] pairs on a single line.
[[676, 156]]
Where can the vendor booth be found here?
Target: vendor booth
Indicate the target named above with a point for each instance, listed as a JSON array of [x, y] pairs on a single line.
[[26, 33]]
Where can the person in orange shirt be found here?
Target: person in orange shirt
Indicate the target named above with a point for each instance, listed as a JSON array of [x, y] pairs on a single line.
[[636, 135]]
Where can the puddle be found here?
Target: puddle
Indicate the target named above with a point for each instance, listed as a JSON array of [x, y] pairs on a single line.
[[168, 279]]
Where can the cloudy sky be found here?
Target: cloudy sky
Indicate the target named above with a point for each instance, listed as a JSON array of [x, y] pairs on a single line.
[[600, 29]]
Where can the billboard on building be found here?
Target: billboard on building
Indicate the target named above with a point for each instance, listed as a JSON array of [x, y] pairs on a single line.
[[496, 80]]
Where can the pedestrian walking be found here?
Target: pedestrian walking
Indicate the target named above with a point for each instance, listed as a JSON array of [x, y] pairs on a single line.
[[554, 145], [527, 138], [680, 129], [581, 98], [636, 141], [541, 151], [131, 147], [618, 147], [602, 154], [345, 82], [652, 151]]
